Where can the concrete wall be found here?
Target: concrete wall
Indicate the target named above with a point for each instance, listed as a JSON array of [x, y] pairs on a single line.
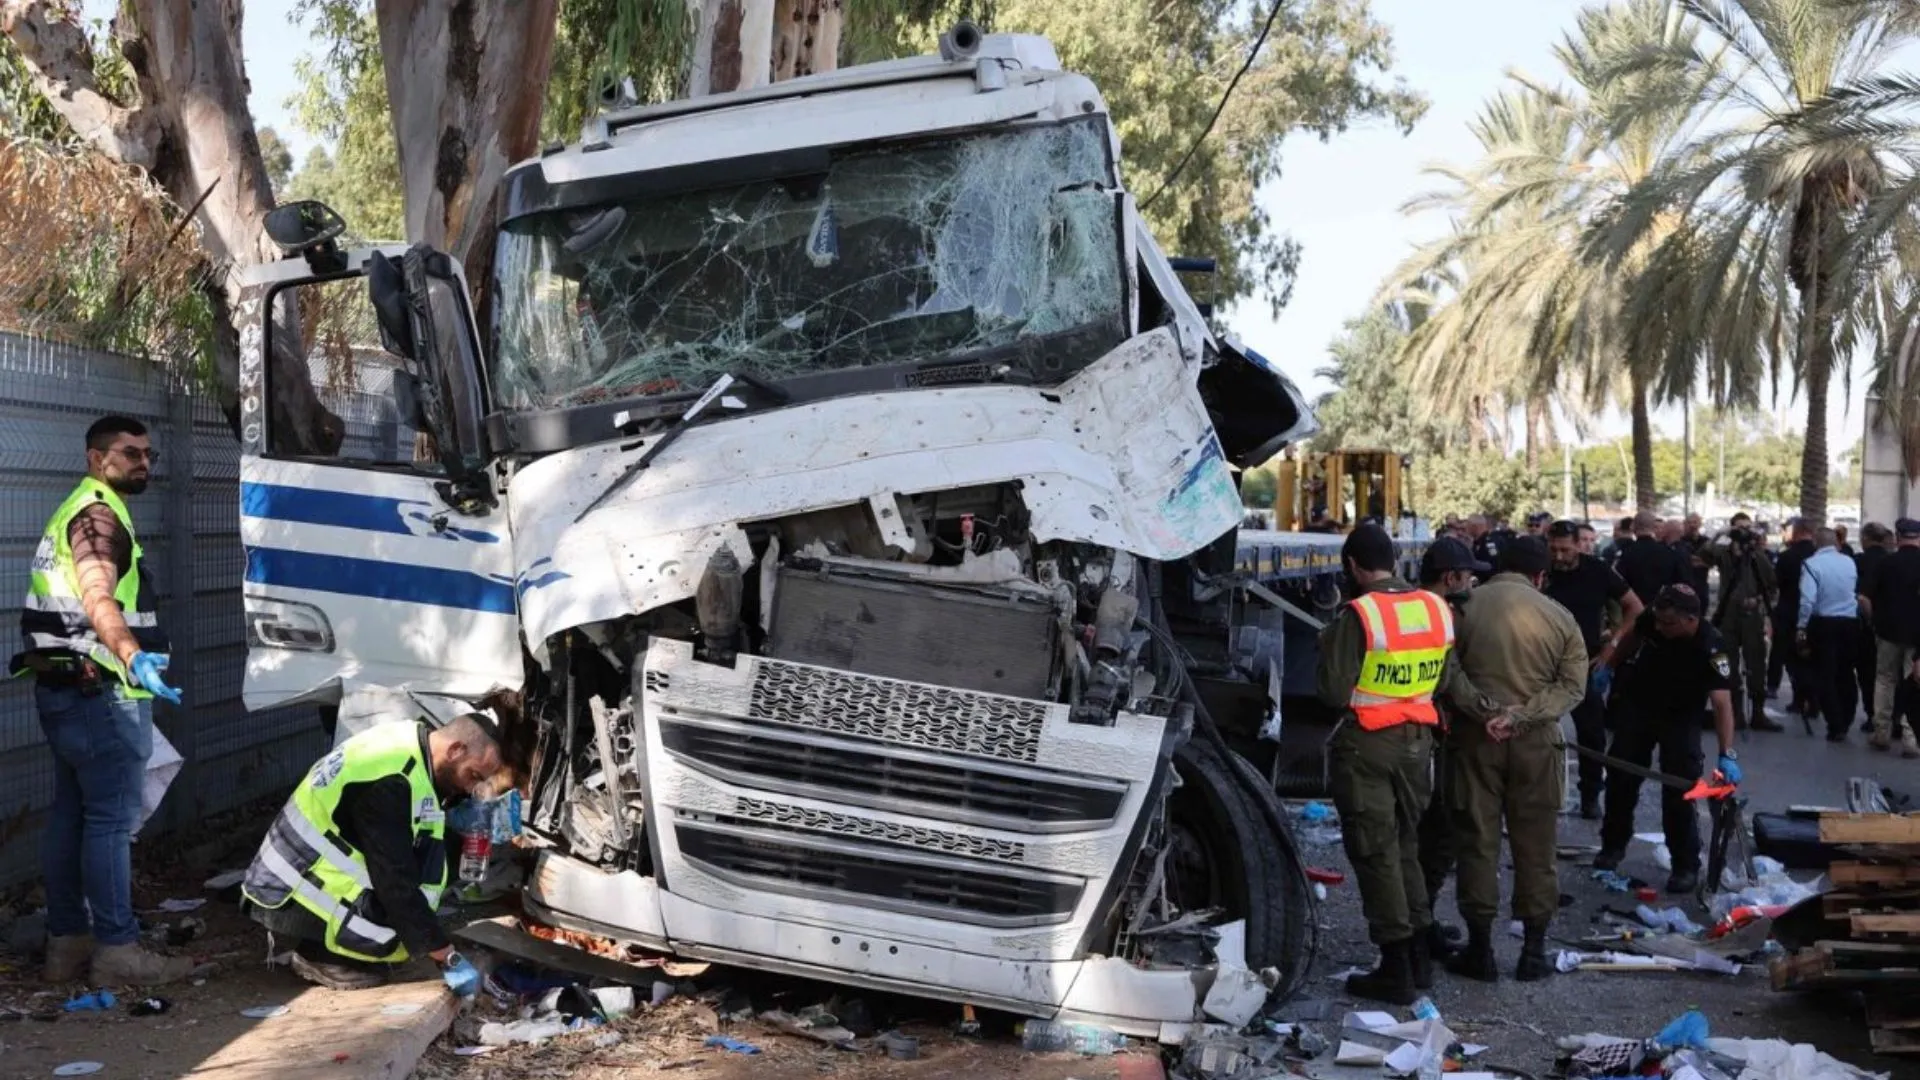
[[188, 522]]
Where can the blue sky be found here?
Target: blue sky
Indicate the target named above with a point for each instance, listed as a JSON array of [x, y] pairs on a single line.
[[1340, 199]]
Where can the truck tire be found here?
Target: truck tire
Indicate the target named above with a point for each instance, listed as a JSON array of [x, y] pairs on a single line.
[[1226, 854]]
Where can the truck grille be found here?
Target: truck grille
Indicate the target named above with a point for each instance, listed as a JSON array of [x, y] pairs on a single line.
[[946, 888], [953, 790]]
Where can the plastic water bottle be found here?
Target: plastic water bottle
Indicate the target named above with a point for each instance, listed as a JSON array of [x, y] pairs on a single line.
[[476, 846], [1425, 1009], [1045, 1035]]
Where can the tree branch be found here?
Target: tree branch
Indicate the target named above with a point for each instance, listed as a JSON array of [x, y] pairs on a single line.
[[58, 55]]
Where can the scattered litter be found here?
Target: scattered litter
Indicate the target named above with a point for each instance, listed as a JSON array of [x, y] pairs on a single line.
[[730, 1044], [900, 1047], [1045, 1035], [225, 880], [1773, 890], [662, 993], [1319, 891], [1613, 881], [1325, 876], [1472, 1050], [1688, 1031], [181, 907], [78, 1068], [1425, 1009], [1369, 1021], [1647, 895], [474, 1051], [97, 1001], [1237, 995], [1316, 813], [1651, 837], [152, 1006], [1353, 1053], [1310, 1043], [1775, 1059], [265, 1012], [814, 1022], [400, 1008], [1662, 857], [606, 1040], [530, 1032], [1671, 918], [969, 1023], [617, 1001]]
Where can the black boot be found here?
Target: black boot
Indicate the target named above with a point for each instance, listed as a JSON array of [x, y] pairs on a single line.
[[1590, 807], [1392, 981], [1477, 961], [1420, 960], [1533, 965]]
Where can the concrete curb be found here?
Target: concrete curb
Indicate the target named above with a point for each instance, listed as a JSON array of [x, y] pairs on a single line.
[[329, 1035]]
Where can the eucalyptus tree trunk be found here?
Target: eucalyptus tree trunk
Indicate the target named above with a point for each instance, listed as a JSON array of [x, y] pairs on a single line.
[[190, 131], [742, 44], [465, 79]]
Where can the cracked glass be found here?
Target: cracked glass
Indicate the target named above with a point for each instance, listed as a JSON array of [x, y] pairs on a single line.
[[933, 250]]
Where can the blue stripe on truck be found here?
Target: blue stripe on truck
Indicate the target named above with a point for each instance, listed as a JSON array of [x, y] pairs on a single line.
[[345, 510], [379, 580]]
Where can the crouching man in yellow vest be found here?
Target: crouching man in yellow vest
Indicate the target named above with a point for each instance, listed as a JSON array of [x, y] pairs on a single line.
[[354, 866]]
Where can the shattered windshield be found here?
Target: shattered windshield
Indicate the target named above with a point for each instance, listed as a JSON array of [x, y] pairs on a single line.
[[900, 254]]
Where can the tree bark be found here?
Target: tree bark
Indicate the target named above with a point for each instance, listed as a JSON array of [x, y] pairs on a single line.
[[806, 37], [464, 80], [1817, 319], [1644, 495], [732, 46], [192, 132]]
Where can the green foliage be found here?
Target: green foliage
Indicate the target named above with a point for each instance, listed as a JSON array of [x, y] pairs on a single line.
[[1478, 482], [1258, 486], [1371, 407], [1162, 67], [343, 100], [278, 158], [598, 41]]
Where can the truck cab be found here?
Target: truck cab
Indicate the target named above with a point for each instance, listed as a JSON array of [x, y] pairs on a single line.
[[815, 510]]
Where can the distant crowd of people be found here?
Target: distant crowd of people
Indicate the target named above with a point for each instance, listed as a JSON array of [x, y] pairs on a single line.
[[1839, 625]]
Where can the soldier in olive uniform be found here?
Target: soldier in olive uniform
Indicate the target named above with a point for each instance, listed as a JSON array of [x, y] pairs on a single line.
[[1526, 653], [1748, 593], [1383, 657], [1448, 570]]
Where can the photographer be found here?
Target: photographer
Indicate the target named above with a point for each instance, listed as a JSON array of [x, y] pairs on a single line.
[[1748, 593]]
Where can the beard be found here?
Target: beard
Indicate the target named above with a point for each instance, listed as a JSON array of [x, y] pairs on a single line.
[[129, 485]]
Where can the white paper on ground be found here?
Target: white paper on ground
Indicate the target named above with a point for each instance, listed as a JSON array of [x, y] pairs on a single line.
[[1406, 1059], [1370, 1021], [1775, 1059], [162, 766], [1235, 997], [1651, 837], [1419, 1031], [1353, 1053], [1472, 1049]]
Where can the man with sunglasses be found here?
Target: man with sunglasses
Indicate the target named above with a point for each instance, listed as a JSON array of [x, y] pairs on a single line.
[[98, 658], [1584, 586]]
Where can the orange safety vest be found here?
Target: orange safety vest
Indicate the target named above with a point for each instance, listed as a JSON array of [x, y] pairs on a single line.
[[1409, 635]]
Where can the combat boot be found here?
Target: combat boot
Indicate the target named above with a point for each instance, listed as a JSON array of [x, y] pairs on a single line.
[[1420, 960], [1477, 962], [1392, 981], [67, 958], [1533, 965], [131, 965], [1443, 942]]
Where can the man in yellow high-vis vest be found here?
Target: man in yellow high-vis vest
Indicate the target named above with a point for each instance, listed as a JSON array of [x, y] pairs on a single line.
[[92, 643], [1383, 657], [354, 867]]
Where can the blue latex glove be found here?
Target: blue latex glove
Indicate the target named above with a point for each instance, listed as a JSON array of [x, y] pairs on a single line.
[[461, 976], [1730, 769], [147, 668], [1600, 683], [1689, 1029]]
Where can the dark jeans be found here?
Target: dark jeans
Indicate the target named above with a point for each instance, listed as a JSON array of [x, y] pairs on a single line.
[[1590, 729], [1866, 663], [1786, 657], [1636, 737], [1836, 652], [1436, 825], [100, 748]]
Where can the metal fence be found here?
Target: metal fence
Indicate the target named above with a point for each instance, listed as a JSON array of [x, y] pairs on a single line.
[[188, 522]]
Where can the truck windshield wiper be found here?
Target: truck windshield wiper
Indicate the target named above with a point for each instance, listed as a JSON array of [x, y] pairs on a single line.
[[774, 393]]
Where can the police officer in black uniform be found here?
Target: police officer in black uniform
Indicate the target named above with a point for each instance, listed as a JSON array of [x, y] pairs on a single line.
[[1671, 666]]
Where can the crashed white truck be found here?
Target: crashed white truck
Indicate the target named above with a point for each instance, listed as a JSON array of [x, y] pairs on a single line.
[[837, 488]]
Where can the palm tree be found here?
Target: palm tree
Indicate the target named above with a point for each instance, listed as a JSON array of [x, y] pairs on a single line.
[[1771, 202], [1533, 310]]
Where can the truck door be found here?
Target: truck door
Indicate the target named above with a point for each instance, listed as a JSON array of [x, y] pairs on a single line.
[[376, 551]]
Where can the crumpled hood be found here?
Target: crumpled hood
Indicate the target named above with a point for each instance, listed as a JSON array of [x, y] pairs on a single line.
[[1122, 455]]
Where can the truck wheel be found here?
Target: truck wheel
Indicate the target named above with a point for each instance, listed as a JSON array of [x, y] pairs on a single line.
[[1224, 854]]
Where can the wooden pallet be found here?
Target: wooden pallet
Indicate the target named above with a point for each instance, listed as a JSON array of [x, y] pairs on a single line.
[[1876, 829], [1873, 916]]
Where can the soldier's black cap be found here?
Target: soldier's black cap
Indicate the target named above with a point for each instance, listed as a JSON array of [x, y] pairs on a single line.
[[1525, 555], [1447, 553], [1907, 529]]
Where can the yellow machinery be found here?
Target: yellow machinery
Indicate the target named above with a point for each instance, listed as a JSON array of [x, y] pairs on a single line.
[[1329, 491]]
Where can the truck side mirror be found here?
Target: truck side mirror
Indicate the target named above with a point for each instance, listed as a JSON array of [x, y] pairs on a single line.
[[387, 291]]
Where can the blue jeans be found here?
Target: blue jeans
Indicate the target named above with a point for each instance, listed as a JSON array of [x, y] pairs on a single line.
[[100, 748]]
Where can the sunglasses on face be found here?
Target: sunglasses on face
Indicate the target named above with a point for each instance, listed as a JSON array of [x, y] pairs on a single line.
[[137, 454]]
